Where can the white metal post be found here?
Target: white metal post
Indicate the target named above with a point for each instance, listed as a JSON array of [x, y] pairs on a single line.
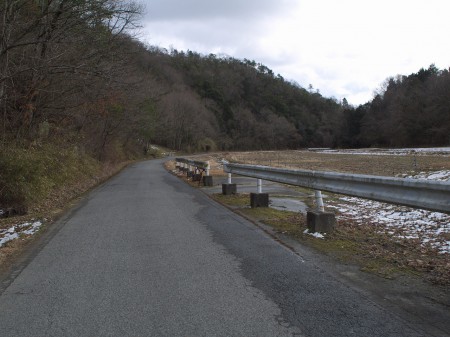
[[208, 167], [259, 184], [319, 200], [229, 178]]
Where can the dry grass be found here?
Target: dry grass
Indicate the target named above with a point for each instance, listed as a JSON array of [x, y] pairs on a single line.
[[384, 165], [240, 200]]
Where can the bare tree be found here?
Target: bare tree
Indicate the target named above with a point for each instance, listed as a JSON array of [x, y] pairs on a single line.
[[48, 41]]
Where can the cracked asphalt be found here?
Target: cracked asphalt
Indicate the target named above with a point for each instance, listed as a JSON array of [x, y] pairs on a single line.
[[147, 255]]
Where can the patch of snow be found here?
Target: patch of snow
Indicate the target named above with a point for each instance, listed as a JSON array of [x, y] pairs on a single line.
[[15, 232], [393, 152], [437, 175], [8, 237], [430, 228], [316, 234], [32, 228]]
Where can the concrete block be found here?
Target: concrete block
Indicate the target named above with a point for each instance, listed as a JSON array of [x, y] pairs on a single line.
[[228, 189], [259, 200], [208, 181], [196, 177], [321, 222]]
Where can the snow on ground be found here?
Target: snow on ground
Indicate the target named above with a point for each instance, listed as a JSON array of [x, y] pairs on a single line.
[[15, 232], [430, 228], [437, 175], [393, 152], [316, 234]]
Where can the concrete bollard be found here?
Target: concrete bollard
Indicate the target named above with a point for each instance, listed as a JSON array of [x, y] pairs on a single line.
[[321, 222], [208, 181], [189, 172], [228, 189], [259, 186], [319, 200], [207, 178], [196, 176], [259, 200]]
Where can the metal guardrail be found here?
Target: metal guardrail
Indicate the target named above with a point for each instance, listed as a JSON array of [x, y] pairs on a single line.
[[418, 193], [203, 165]]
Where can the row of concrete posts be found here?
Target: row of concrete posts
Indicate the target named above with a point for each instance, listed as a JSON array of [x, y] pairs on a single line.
[[195, 173], [317, 220]]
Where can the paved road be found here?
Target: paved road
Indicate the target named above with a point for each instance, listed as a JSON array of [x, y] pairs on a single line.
[[147, 255]]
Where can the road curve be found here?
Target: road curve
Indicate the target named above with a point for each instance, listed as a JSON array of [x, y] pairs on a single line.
[[147, 255]]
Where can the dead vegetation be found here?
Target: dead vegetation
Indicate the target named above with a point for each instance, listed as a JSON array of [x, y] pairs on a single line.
[[372, 164], [383, 165]]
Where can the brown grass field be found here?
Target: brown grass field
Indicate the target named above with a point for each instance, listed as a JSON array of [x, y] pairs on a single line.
[[373, 164]]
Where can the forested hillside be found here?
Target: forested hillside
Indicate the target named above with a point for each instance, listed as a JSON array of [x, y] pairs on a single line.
[[237, 105], [72, 73], [409, 110]]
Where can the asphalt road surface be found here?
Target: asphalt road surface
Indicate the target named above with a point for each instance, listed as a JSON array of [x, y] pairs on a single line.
[[147, 255]]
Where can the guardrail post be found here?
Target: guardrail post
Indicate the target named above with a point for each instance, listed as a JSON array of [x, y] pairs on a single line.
[[319, 201], [197, 175], [318, 220], [321, 222], [189, 171], [229, 188], [208, 179], [259, 199]]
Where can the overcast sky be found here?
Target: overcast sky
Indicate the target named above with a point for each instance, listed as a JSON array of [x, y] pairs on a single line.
[[343, 48]]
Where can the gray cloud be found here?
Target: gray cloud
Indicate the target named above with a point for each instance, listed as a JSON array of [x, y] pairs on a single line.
[[335, 46], [169, 10]]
